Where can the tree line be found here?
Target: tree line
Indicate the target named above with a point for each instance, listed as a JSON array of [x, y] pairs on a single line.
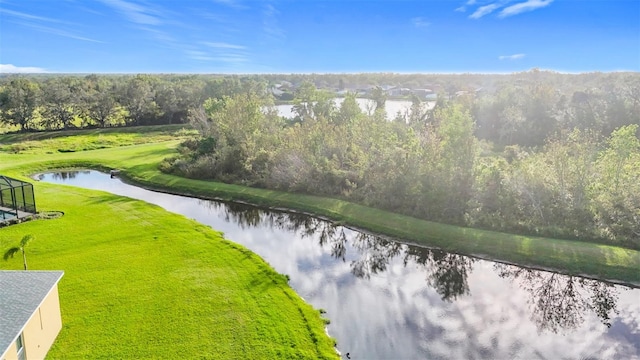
[[564, 180], [61, 102], [534, 153]]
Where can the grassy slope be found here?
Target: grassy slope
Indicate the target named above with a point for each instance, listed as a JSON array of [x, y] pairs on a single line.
[[140, 162], [82, 140], [141, 282]]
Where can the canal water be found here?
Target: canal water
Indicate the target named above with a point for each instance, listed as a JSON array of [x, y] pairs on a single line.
[[388, 300]]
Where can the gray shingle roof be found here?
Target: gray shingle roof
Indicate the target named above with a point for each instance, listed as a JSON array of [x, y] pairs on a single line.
[[21, 293]]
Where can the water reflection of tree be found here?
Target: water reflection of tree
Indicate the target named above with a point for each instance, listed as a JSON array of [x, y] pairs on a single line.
[[65, 175], [247, 216], [558, 301], [447, 273]]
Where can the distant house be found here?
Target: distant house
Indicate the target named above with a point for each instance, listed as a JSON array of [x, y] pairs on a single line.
[[399, 91], [29, 313], [276, 91], [422, 92]]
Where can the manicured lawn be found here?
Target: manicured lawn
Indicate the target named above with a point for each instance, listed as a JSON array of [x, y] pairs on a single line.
[[141, 282], [82, 140]]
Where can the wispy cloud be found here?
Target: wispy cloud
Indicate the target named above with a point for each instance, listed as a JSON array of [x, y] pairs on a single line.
[[135, 13], [227, 58], [12, 69], [463, 8], [511, 57], [220, 52], [420, 22], [58, 32], [150, 18], [484, 10], [26, 16], [231, 59], [519, 8], [198, 55], [489, 7], [223, 45], [270, 23], [36, 22]]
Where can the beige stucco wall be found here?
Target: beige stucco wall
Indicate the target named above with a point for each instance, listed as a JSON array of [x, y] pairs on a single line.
[[43, 327]]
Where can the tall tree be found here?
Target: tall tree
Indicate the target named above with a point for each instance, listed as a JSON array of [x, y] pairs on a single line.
[[617, 190], [101, 102], [62, 102], [19, 101], [138, 98]]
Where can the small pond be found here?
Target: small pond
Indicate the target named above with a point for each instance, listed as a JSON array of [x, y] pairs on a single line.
[[388, 300]]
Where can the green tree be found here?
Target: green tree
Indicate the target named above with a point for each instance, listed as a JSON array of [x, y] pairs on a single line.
[[14, 250], [19, 101], [102, 106], [616, 191], [312, 104], [380, 97], [138, 98], [62, 102], [453, 156], [349, 110]]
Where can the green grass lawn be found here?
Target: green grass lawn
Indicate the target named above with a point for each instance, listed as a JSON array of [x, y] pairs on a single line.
[[83, 140], [141, 282]]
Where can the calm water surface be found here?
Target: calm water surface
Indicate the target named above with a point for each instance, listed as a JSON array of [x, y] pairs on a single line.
[[387, 300], [368, 106]]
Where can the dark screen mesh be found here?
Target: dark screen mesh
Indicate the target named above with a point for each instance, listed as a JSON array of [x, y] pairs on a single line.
[[16, 195]]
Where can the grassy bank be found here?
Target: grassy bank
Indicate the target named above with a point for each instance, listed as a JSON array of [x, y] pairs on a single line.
[[573, 257], [141, 282], [83, 140]]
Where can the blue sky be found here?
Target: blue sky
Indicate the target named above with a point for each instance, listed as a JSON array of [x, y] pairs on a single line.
[[251, 36]]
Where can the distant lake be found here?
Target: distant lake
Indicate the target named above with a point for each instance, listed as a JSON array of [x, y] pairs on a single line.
[[392, 107], [389, 300]]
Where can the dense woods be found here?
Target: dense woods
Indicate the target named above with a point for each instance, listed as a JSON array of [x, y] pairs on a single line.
[[537, 152]]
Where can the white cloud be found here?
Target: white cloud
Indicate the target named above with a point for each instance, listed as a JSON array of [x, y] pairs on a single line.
[[26, 16], [420, 22], [511, 57], [12, 69], [134, 12], [221, 52], [60, 32], [223, 45], [35, 22], [270, 23], [231, 59], [199, 55], [484, 10], [528, 5]]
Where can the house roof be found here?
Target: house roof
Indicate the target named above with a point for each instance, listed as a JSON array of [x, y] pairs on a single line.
[[21, 295]]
